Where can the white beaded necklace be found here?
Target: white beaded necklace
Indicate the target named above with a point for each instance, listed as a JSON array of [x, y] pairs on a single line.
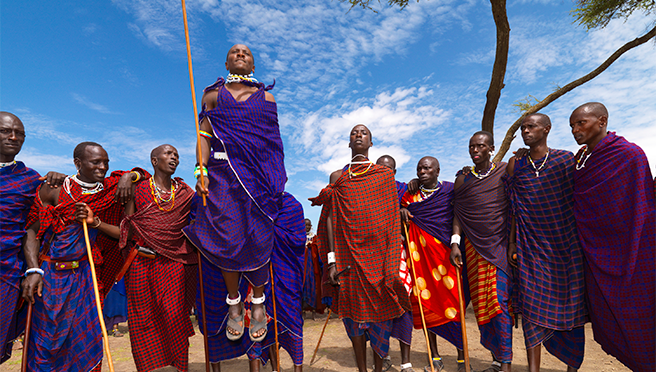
[[482, 175], [91, 188], [538, 169], [2, 165], [581, 164], [425, 193]]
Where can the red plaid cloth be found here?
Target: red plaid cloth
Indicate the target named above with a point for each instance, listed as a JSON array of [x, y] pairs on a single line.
[[365, 217]]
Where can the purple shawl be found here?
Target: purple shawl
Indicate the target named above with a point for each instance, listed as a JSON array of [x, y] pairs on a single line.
[[481, 206], [435, 214], [616, 221]]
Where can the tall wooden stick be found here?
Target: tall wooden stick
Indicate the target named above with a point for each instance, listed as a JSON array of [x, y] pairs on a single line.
[[320, 337], [26, 340], [275, 316], [193, 99], [202, 310], [461, 298], [418, 294], [97, 295]]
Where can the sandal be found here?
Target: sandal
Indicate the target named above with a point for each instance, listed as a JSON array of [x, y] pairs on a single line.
[[461, 366], [236, 324], [256, 326], [407, 367], [116, 333], [438, 365], [495, 367]]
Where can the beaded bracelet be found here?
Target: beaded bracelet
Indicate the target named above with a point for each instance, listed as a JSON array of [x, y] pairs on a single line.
[[96, 222], [138, 176], [204, 134], [197, 171], [34, 270]]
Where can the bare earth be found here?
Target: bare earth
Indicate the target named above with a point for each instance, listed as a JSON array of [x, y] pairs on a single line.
[[336, 355]]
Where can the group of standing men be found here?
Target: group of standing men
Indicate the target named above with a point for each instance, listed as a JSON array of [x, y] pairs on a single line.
[[558, 238]]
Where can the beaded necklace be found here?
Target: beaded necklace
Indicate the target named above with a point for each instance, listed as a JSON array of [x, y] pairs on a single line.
[[156, 192], [2, 165], [87, 187], [234, 78], [580, 162], [538, 169], [482, 175], [354, 174], [425, 193]]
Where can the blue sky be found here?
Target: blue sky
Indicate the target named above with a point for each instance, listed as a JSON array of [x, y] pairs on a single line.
[[115, 72]]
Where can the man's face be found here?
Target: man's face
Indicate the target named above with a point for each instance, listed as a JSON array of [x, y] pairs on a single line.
[[167, 160], [386, 162], [360, 138], [427, 172], [533, 130], [479, 149], [586, 126], [12, 136], [240, 60], [93, 166], [308, 226]]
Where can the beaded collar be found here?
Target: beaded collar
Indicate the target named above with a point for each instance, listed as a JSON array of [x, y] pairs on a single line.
[[2, 165], [580, 162], [481, 175], [234, 78]]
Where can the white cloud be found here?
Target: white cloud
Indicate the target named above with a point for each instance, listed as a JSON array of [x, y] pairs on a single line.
[[92, 105]]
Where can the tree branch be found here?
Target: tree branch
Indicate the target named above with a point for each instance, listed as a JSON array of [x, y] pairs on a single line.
[[510, 135], [500, 62]]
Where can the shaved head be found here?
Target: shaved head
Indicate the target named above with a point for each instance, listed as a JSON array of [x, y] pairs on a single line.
[[490, 137], [594, 108], [432, 160], [8, 117], [158, 150], [387, 161], [540, 118]]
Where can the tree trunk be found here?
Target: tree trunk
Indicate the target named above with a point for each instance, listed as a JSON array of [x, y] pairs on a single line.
[[500, 62], [510, 135]]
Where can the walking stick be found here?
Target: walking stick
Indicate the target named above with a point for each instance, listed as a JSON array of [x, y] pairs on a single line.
[[418, 295], [202, 310], [320, 337], [97, 295], [461, 299], [26, 340], [275, 316], [193, 99]]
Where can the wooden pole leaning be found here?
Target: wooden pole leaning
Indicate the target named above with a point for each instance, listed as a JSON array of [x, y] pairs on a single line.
[[461, 301], [275, 316], [320, 337], [193, 99], [202, 310], [418, 294], [97, 295], [26, 340]]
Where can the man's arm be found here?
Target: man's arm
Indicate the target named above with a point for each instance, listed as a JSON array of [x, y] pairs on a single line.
[[332, 270], [34, 281], [456, 254], [209, 103]]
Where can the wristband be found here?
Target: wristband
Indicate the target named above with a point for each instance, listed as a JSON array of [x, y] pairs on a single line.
[[34, 270], [331, 258], [96, 222], [197, 171], [204, 134], [455, 239]]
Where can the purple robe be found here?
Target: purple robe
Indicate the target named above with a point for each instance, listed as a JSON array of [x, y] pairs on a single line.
[[616, 220], [247, 177], [17, 188]]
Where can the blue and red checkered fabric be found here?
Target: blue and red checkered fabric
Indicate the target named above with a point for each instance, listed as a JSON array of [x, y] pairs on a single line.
[[567, 346], [378, 333], [496, 335], [402, 328], [66, 332], [158, 313], [481, 206], [550, 289], [365, 217], [245, 190], [17, 189], [312, 284], [616, 220]]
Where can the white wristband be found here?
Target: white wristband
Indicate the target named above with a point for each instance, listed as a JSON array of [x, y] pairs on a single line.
[[455, 239], [34, 270], [331, 258]]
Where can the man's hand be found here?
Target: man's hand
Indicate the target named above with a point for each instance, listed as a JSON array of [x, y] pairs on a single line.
[[512, 254], [53, 179], [332, 276], [32, 283], [203, 189], [456, 256], [83, 212], [124, 190], [521, 152], [413, 186], [406, 215]]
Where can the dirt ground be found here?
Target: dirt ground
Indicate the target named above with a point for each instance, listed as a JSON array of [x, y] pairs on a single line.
[[336, 355]]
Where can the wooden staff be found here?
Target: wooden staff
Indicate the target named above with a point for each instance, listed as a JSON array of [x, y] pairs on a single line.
[[461, 299], [320, 337], [202, 310], [97, 294], [418, 294], [275, 316], [26, 340], [193, 98]]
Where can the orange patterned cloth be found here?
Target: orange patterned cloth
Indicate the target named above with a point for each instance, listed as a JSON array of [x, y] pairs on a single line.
[[482, 285]]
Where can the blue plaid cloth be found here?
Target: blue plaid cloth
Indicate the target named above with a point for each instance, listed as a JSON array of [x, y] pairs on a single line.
[[402, 328], [496, 335], [568, 346], [378, 333], [245, 191], [17, 186], [66, 331]]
